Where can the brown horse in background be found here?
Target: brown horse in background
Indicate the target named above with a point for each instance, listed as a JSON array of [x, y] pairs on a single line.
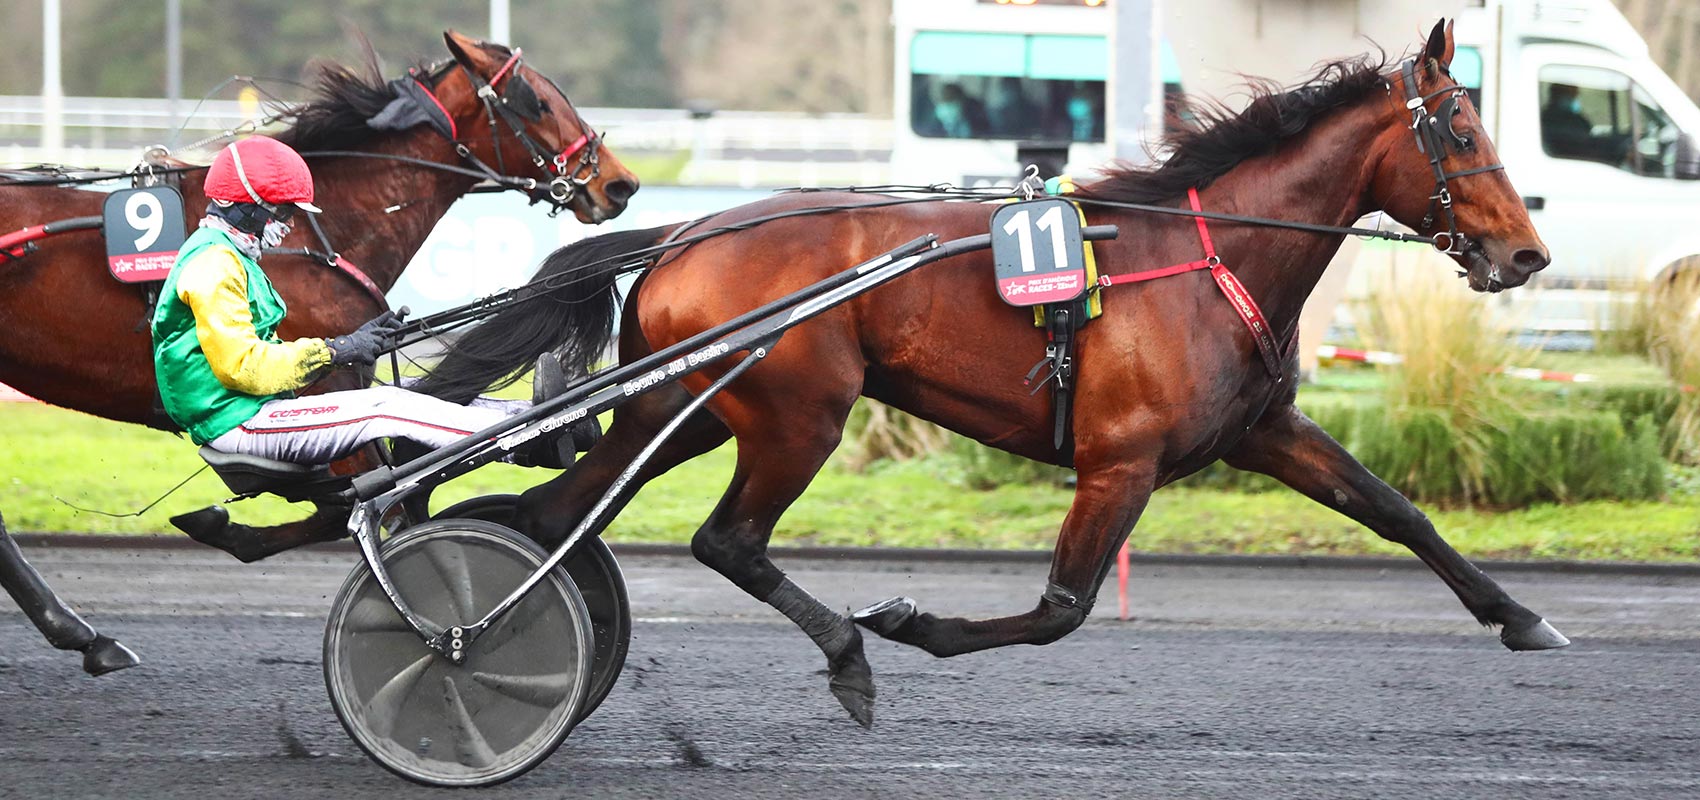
[[1168, 379], [73, 336]]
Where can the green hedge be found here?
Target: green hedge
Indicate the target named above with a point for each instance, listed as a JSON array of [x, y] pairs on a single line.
[[1659, 403], [1558, 455], [1577, 443]]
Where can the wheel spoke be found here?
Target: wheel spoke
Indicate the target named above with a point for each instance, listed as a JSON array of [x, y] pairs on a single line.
[[519, 619], [470, 744], [374, 613], [449, 560], [543, 691], [391, 698]]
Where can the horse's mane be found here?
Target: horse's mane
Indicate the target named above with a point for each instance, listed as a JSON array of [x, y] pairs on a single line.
[[343, 99], [1221, 138]]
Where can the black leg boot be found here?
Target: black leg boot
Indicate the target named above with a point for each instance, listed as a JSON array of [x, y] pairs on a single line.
[[548, 381], [62, 627]]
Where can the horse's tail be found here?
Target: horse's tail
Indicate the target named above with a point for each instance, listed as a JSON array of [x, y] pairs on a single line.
[[574, 317]]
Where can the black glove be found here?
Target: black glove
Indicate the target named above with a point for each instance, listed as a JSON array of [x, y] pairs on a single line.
[[363, 345]]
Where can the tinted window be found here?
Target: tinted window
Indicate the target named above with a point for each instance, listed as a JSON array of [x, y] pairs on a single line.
[[1593, 114], [978, 107], [1656, 138], [1467, 71], [1585, 115], [1008, 86]]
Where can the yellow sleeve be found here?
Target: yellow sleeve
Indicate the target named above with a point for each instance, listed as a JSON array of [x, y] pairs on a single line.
[[215, 287]]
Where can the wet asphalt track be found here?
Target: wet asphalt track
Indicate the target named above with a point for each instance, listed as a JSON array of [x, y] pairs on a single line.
[[1236, 682]]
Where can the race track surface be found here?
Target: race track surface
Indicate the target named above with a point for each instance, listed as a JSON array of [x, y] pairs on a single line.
[[1235, 682]]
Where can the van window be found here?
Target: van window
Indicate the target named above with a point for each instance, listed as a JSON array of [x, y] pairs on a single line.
[[1466, 69], [982, 85], [1594, 114], [1008, 86], [1586, 115], [1656, 138]]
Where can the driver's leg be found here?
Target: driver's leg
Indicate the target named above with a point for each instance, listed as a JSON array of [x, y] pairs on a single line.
[[323, 428]]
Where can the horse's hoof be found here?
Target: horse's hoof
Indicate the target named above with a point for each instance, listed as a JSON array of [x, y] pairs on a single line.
[[106, 654], [1539, 636], [211, 526], [887, 617], [852, 682]]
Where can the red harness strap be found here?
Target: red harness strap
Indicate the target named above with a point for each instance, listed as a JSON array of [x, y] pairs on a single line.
[[1231, 288], [571, 149], [347, 268], [454, 133], [512, 60]]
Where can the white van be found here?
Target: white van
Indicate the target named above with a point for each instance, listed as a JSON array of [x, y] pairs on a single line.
[[1604, 147]]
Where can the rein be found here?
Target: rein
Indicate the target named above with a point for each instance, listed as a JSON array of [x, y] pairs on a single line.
[[435, 325], [1433, 139]]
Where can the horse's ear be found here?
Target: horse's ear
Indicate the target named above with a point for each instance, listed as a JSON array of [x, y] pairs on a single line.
[[1440, 44], [468, 52]]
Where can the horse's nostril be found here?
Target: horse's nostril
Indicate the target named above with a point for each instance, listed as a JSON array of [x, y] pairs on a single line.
[[620, 191], [1530, 259]]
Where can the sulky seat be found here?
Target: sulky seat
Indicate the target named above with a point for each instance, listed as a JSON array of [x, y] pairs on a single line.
[[252, 475]]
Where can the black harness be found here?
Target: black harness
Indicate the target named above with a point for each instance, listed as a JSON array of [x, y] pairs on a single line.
[[515, 105], [521, 104], [1062, 322], [1437, 139]]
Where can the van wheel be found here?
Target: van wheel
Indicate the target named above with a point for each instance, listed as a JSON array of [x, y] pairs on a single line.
[[1676, 293], [1670, 313]]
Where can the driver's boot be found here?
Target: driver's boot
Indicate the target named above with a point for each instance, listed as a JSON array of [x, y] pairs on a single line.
[[557, 449], [62, 627]]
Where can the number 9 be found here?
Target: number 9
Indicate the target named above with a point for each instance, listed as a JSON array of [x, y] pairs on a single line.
[[151, 224]]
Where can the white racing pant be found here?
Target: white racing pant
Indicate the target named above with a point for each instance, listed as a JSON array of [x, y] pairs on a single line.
[[323, 428]]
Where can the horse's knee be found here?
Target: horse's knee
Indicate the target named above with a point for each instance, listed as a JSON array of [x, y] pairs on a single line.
[[716, 550], [1057, 622]]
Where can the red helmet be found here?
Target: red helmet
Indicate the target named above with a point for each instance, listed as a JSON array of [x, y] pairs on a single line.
[[260, 169]]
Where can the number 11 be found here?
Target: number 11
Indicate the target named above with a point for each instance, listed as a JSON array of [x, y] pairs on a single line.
[[1049, 221]]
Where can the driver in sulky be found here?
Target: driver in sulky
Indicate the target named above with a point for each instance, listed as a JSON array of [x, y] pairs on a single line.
[[227, 379]]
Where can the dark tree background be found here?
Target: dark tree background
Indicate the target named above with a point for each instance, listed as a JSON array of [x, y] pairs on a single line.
[[822, 55], [811, 55]]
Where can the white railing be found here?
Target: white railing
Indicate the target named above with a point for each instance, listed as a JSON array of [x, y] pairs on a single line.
[[101, 124]]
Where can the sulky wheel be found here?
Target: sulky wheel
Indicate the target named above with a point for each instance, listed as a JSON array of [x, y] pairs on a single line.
[[597, 576], [524, 682]]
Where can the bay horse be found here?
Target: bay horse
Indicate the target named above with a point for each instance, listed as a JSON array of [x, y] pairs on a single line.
[[72, 336], [1169, 380]]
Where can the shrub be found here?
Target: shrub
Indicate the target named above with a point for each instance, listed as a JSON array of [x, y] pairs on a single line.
[[1557, 455], [876, 432], [1450, 430], [1626, 324], [1448, 393], [988, 468]]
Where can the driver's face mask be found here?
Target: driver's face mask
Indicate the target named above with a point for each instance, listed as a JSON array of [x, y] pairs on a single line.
[[278, 227], [274, 233]]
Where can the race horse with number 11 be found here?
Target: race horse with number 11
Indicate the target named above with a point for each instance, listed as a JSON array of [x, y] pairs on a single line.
[[1168, 380], [388, 159]]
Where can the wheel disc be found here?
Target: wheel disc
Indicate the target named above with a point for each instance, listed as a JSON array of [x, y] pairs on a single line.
[[523, 683], [600, 582]]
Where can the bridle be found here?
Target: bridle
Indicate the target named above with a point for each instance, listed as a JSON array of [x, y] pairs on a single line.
[[515, 105], [1437, 139]]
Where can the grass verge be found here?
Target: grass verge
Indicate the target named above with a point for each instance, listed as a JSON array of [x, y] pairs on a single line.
[[97, 464]]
